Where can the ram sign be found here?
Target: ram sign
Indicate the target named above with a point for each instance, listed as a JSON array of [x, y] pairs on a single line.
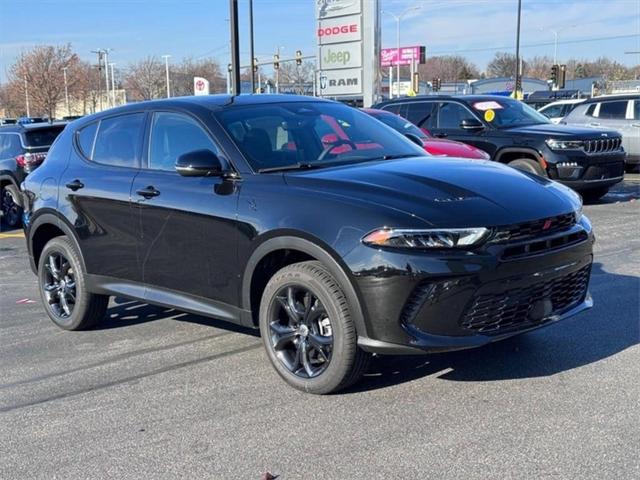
[[341, 82]]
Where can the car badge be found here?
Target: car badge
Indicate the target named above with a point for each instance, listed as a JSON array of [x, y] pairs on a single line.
[[604, 134], [546, 225]]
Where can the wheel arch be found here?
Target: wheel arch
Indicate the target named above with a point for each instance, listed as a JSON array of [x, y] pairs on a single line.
[[300, 249], [46, 226], [506, 155]]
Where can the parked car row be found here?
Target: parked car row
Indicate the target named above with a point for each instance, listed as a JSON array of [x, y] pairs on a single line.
[[315, 223]]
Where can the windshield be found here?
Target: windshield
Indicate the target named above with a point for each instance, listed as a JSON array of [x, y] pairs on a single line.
[[506, 113], [311, 134], [399, 124]]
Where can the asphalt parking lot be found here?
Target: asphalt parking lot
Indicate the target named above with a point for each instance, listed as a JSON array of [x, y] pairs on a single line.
[[155, 393]]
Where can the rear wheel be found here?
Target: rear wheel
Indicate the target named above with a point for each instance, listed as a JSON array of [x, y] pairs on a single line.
[[11, 210], [63, 287], [528, 165], [308, 332]]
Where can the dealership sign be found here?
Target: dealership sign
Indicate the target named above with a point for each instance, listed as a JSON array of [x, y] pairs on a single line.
[[348, 37], [405, 56], [200, 86]]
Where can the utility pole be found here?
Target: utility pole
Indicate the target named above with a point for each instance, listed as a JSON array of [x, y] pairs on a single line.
[[253, 74], [518, 80], [106, 72], [66, 90], [26, 95], [113, 84], [99, 53], [166, 69], [235, 47]]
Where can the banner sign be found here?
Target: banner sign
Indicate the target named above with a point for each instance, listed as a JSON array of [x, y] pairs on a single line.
[[389, 56], [200, 86]]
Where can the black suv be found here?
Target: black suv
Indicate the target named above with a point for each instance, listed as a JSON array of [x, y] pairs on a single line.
[[590, 161], [22, 149], [314, 222]]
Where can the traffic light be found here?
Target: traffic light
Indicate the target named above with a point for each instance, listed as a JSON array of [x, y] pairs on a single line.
[[276, 61], [229, 67], [298, 57], [563, 76], [255, 65], [554, 74], [434, 84]]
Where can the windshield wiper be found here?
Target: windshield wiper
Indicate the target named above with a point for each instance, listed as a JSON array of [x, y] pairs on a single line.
[[293, 166]]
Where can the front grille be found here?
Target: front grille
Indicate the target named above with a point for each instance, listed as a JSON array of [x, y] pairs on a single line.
[[602, 145], [535, 228], [544, 246], [604, 171], [526, 307]]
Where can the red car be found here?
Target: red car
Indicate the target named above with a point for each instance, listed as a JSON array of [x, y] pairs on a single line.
[[434, 146]]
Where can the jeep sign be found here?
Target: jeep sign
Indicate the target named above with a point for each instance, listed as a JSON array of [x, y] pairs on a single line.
[[341, 55]]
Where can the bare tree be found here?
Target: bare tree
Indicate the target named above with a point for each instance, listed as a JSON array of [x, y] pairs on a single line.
[[503, 65], [448, 68], [182, 74], [145, 79], [539, 67], [40, 70], [296, 75]]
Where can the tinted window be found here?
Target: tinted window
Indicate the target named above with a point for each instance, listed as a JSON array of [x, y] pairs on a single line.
[[172, 135], [86, 137], [43, 137], [590, 110], [506, 113], [613, 110], [10, 145], [118, 140], [451, 114], [316, 133], [553, 111], [636, 110], [421, 114], [399, 124]]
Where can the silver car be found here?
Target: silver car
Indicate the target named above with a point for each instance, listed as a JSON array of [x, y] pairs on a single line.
[[619, 112]]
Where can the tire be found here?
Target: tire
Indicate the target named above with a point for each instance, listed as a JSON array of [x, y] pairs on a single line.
[[334, 361], [595, 194], [11, 209], [69, 282], [528, 165]]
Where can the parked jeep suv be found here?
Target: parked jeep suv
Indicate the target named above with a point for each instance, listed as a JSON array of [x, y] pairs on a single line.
[[235, 207], [22, 149], [590, 161]]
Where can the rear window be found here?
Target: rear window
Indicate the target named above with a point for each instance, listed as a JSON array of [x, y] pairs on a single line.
[[86, 136], [613, 110], [119, 140], [42, 137]]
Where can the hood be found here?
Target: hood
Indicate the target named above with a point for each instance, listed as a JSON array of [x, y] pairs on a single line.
[[442, 192], [551, 130], [450, 148]]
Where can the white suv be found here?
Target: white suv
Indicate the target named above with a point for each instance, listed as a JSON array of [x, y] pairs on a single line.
[[556, 111]]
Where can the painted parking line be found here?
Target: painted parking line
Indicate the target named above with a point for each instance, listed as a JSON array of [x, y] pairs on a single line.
[[12, 235]]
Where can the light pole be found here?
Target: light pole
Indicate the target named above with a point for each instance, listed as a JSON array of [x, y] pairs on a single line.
[[166, 69], [253, 74], [113, 84], [398, 18], [106, 72], [556, 32], [66, 90]]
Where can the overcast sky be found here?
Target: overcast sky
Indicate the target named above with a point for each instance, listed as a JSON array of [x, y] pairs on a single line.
[[199, 28]]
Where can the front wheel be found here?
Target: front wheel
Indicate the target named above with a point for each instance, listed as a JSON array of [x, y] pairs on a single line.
[[11, 210], [308, 332], [63, 287], [528, 165]]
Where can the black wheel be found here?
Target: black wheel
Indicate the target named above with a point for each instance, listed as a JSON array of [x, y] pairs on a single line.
[[11, 210], [63, 288], [528, 165], [594, 194], [307, 330]]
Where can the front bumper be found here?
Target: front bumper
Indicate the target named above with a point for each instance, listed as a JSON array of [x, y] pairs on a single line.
[[431, 302], [582, 171]]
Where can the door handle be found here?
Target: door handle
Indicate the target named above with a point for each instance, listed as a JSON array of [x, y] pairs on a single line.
[[594, 124], [148, 192], [75, 185], [440, 135], [635, 124]]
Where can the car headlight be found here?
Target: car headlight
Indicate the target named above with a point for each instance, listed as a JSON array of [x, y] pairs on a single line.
[[425, 239], [564, 144]]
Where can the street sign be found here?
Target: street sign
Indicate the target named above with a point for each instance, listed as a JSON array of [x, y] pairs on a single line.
[[200, 86]]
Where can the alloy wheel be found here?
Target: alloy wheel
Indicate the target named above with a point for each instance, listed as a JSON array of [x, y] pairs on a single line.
[[300, 331], [10, 209], [59, 285]]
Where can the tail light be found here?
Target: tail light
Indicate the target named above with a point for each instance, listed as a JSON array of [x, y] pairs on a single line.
[[28, 161]]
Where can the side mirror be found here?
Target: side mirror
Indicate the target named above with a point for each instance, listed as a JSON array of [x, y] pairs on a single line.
[[415, 139], [471, 124], [199, 163]]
